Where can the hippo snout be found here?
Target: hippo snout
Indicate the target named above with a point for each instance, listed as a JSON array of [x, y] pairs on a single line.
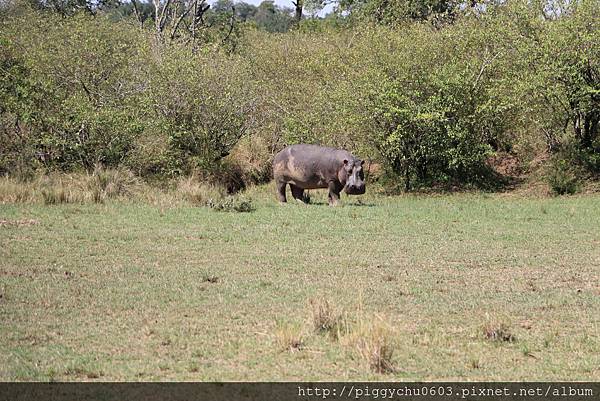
[[355, 189]]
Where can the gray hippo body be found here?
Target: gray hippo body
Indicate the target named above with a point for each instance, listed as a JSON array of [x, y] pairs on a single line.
[[310, 167]]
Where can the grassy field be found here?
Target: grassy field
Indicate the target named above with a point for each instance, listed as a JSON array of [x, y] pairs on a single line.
[[469, 287]]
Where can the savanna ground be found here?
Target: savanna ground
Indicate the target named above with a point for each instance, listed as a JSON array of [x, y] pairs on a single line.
[[464, 286]]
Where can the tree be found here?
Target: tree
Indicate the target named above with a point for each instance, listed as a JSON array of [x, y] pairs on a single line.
[[145, 11], [272, 18], [298, 6], [573, 54], [394, 11], [245, 11], [70, 7], [222, 6]]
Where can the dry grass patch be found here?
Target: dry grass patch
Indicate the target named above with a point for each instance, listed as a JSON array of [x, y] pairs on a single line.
[[191, 190], [105, 184], [18, 223], [56, 188], [373, 339], [325, 318], [499, 332], [13, 191], [289, 336]]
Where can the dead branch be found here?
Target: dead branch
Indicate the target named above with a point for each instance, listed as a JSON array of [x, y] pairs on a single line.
[[185, 12], [137, 13], [160, 16], [231, 24]]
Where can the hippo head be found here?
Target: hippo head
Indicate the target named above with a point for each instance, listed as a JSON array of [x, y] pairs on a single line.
[[355, 178]]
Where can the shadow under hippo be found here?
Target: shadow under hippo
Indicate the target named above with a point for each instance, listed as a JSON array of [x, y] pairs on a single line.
[[311, 167]]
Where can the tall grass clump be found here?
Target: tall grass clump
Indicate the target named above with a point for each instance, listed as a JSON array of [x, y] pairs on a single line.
[[562, 178], [498, 332], [15, 191], [325, 318], [373, 340], [105, 184], [289, 336], [197, 193], [369, 336]]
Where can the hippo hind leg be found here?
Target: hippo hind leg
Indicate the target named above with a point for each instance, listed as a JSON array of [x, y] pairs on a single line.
[[281, 191], [297, 193]]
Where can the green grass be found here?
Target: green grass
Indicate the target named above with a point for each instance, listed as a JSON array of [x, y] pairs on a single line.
[[130, 291]]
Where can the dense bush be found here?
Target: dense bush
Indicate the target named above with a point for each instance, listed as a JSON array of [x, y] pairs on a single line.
[[198, 106], [89, 91], [431, 102], [432, 117], [571, 72], [73, 104]]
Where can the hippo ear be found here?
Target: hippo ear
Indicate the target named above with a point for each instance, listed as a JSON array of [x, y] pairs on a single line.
[[345, 162]]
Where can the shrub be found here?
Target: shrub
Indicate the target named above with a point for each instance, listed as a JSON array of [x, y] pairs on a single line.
[[289, 336], [197, 193], [82, 72], [231, 204], [570, 81], [438, 103], [325, 318], [201, 106], [90, 91], [562, 178], [498, 332], [430, 103], [373, 340]]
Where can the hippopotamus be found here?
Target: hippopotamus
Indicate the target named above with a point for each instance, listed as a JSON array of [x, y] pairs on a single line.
[[311, 166]]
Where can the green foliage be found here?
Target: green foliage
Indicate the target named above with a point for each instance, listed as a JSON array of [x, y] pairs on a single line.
[[232, 204], [200, 105], [80, 76], [562, 178], [441, 108], [16, 105], [391, 12], [93, 92], [430, 102], [426, 134], [273, 18], [267, 16], [577, 69], [564, 77], [583, 161]]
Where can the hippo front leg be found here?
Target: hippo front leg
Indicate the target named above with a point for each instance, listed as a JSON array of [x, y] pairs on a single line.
[[334, 193]]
